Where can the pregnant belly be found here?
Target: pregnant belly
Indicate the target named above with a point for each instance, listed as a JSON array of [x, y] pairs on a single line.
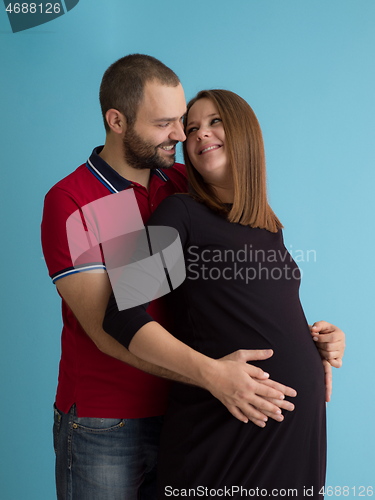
[[295, 361]]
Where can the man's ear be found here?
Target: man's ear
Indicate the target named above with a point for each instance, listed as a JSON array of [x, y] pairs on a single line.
[[116, 121]]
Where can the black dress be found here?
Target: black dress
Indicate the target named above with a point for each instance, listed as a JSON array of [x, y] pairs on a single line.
[[241, 292]]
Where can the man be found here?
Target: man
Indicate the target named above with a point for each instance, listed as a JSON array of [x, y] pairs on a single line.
[[107, 411]]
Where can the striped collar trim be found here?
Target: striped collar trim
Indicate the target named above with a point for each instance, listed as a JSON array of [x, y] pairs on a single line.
[[113, 181], [160, 174]]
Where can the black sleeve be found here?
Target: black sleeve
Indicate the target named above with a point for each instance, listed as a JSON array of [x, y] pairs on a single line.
[[123, 325]]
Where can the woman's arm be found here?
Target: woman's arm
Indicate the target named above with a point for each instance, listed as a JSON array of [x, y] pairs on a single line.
[[237, 385], [234, 382]]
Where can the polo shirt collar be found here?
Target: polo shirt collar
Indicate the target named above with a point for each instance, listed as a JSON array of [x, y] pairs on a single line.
[[113, 181]]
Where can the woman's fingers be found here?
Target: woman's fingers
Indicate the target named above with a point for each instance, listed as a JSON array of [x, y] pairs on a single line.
[[283, 405], [252, 414], [245, 392], [330, 342], [287, 391]]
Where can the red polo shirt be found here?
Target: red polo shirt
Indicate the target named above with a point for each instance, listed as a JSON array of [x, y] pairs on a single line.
[[99, 385]]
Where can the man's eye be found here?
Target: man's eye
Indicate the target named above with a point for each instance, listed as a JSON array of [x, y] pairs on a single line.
[[163, 125]]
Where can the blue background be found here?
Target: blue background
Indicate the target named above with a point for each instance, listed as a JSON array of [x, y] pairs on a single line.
[[307, 69]]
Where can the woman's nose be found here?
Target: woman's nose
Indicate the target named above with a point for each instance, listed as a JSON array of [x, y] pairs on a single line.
[[202, 133]]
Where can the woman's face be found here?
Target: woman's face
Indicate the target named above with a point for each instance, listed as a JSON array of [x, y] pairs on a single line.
[[205, 141]]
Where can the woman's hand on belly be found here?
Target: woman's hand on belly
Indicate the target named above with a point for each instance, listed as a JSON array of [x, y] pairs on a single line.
[[328, 379], [260, 398], [330, 341]]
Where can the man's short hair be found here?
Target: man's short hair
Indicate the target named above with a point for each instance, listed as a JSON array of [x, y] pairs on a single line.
[[124, 81]]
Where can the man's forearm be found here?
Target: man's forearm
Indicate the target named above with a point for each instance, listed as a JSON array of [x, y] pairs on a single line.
[[108, 345], [87, 294]]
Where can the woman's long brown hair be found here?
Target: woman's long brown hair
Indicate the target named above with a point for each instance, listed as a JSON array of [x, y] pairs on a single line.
[[245, 150]]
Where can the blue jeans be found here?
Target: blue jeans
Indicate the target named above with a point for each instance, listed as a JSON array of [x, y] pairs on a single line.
[[105, 459]]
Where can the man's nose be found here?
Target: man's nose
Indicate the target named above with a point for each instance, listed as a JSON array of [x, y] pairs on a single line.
[[178, 133]]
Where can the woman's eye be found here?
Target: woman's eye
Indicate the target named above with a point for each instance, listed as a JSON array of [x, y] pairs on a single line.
[[191, 129], [215, 120]]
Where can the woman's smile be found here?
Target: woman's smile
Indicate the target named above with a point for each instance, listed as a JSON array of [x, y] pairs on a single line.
[[205, 141], [207, 149]]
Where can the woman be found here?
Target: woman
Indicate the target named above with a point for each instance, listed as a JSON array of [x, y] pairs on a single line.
[[241, 292]]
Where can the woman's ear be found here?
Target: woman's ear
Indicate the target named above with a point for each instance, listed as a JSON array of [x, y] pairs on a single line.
[[116, 121]]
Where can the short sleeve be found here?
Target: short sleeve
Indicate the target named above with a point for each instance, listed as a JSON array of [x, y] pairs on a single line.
[[60, 208], [124, 324], [173, 212]]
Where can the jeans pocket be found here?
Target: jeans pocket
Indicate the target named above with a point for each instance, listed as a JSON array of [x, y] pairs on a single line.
[[56, 426], [97, 425]]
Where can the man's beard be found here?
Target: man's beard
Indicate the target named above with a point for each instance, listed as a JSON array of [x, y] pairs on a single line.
[[141, 154]]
